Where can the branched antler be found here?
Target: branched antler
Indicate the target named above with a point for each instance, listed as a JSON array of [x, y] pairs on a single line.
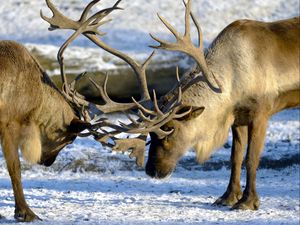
[[184, 44], [151, 114], [88, 26], [136, 145]]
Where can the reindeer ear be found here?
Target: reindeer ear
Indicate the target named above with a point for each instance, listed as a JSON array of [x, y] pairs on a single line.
[[78, 126], [195, 111]]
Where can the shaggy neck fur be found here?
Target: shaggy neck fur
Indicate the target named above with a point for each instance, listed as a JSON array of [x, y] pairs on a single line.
[[209, 136], [214, 136]]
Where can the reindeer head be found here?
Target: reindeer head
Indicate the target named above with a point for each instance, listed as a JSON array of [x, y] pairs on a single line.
[[164, 152], [177, 131]]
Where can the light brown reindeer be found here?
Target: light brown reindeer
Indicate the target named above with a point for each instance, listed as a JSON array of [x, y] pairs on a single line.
[[249, 73], [257, 68]]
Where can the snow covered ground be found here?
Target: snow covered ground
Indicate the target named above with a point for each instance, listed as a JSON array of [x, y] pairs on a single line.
[[131, 198], [90, 185]]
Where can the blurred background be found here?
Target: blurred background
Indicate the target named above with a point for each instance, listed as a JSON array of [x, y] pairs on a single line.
[[128, 32]]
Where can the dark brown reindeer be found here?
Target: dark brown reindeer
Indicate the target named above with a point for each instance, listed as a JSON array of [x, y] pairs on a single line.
[[249, 73], [37, 117], [34, 116]]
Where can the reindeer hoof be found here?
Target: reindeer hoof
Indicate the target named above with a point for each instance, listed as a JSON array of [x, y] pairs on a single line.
[[25, 216], [248, 204], [228, 199]]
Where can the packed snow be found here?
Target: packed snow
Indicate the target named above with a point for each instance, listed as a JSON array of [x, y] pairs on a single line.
[[89, 184]]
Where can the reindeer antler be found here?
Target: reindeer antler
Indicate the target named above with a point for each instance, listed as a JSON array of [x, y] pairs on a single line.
[[88, 26], [184, 44], [150, 118]]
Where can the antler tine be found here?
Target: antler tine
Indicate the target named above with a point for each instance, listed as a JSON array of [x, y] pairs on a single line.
[[144, 109], [148, 60], [196, 23], [163, 44], [102, 90], [77, 78], [162, 133], [60, 58], [110, 105], [187, 20], [175, 101], [174, 97], [159, 112], [92, 24], [177, 75], [115, 6], [143, 117], [179, 97], [87, 9], [169, 26]]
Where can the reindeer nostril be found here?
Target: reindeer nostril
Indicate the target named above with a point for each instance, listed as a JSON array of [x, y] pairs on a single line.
[[150, 170]]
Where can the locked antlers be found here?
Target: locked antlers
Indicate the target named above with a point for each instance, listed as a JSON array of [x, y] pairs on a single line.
[[145, 115]]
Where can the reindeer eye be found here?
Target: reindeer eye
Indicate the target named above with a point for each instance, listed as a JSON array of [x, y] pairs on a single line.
[[168, 127]]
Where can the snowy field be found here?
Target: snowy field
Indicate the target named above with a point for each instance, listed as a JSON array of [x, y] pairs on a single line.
[[89, 184]]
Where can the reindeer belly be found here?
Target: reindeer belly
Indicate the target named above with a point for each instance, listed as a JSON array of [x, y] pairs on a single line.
[[287, 100]]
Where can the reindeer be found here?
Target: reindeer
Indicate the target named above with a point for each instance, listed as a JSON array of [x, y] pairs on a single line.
[[36, 116], [249, 73], [256, 66]]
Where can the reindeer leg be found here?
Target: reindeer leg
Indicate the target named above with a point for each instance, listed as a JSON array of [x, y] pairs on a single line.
[[234, 193], [256, 137], [10, 150]]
